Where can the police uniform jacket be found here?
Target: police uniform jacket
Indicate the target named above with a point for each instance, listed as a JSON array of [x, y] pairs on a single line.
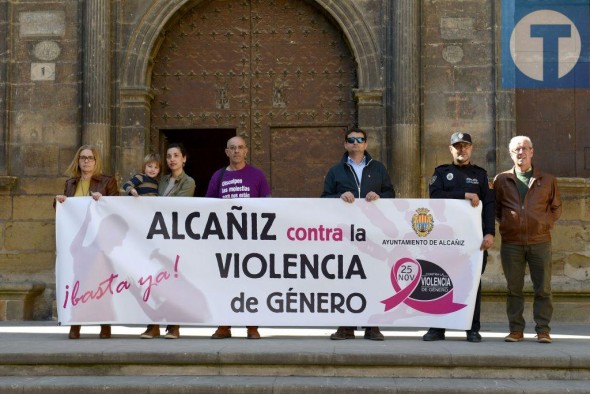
[[452, 181]]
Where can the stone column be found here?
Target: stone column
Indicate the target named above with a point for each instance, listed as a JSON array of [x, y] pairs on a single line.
[[133, 133], [370, 119], [405, 82], [96, 103], [505, 108], [4, 75]]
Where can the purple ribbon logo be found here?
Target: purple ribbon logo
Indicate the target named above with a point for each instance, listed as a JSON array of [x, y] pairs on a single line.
[[423, 286]]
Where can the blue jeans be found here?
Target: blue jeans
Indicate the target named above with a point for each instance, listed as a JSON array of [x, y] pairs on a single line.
[[514, 261]]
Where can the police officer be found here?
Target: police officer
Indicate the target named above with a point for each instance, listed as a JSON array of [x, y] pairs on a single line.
[[463, 180]]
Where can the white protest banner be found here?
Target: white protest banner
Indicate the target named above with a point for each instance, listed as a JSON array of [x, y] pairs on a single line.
[[267, 261]]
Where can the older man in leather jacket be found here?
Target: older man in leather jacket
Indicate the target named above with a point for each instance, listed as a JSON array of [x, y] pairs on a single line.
[[527, 206]]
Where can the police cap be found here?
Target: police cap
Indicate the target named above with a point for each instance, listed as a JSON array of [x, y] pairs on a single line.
[[460, 137]]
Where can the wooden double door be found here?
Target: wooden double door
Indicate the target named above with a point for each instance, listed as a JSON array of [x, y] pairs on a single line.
[[277, 72], [557, 121]]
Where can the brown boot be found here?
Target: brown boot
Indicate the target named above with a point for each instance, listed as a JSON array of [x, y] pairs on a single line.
[[74, 332], [343, 333], [153, 331], [105, 331], [253, 332], [374, 334], [222, 332], [172, 332]]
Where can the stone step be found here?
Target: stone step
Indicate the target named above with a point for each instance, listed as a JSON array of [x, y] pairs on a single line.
[[361, 362], [278, 385], [291, 361], [319, 357]]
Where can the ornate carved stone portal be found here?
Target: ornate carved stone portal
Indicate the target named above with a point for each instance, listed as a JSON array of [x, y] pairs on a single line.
[[277, 72]]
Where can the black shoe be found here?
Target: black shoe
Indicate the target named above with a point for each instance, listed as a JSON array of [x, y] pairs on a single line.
[[343, 333], [473, 336], [434, 334], [373, 334]]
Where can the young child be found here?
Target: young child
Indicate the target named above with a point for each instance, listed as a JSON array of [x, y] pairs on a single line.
[[145, 184]]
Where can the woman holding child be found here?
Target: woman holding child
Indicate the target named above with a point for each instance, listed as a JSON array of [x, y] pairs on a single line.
[[175, 184]]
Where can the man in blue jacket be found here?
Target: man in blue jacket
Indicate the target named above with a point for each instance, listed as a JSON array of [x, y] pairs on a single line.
[[357, 175]]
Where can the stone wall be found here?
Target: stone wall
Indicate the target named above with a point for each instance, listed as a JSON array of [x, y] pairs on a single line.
[[41, 132], [571, 262], [458, 81], [41, 125]]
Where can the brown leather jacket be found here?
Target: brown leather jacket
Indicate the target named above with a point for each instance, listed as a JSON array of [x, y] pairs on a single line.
[[104, 184], [529, 221]]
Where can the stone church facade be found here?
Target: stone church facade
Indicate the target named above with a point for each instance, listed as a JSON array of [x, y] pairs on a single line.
[[131, 76]]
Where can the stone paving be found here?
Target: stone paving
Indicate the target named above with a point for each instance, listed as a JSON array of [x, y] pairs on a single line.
[[38, 357]]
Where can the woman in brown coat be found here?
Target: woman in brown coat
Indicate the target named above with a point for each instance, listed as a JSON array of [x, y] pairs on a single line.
[[87, 180]]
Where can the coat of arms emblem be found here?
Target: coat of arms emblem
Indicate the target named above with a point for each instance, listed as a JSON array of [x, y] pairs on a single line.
[[422, 222]]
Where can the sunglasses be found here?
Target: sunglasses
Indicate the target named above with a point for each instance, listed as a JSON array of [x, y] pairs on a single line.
[[351, 140]]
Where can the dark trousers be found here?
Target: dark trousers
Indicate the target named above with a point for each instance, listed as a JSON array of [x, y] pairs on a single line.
[[475, 323], [514, 261]]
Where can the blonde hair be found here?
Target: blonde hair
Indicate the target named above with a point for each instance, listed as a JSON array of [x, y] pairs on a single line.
[[74, 167], [151, 158]]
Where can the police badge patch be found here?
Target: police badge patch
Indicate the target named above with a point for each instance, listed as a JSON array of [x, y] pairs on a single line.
[[450, 176]]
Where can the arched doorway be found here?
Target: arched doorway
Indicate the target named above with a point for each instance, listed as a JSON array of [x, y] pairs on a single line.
[[205, 151], [277, 72]]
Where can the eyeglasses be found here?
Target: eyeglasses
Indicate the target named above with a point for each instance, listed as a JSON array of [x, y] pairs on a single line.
[[239, 147], [351, 140], [521, 149], [87, 158]]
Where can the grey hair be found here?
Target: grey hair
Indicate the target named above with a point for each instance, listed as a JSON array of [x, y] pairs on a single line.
[[519, 138]]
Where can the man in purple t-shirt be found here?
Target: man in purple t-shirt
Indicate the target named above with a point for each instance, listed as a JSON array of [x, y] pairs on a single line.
[[237, 180]]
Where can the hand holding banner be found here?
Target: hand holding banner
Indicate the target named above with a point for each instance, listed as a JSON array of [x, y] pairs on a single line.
[[272, 262]]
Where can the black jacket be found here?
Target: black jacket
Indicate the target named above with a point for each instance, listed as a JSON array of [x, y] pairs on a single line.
[[341, 179], [451, 181]]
